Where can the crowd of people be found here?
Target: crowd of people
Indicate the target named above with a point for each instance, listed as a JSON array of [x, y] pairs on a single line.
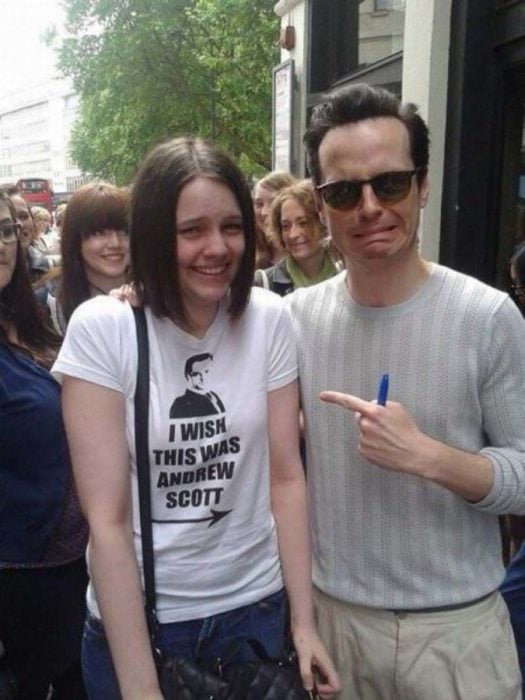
[[271, 314]]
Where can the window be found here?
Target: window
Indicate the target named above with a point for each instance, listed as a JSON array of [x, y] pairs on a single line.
[[352, 35], [381, 29]]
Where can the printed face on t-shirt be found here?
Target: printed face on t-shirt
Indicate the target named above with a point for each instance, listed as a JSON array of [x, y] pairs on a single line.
[[199, 374]]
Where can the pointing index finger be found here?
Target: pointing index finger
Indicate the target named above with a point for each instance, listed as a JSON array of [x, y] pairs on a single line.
[[352, 403]]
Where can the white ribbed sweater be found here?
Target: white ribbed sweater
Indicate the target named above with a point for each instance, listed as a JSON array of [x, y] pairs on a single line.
[[455, 353]]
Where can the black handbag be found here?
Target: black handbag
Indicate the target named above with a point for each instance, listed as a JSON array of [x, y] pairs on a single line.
[[265, 678], [261, 679]]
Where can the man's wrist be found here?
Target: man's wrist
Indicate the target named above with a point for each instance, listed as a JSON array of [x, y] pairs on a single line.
[[426, 458], [467, 474]]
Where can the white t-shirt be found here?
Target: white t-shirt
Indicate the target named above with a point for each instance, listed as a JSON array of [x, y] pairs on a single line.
[[214, 534]]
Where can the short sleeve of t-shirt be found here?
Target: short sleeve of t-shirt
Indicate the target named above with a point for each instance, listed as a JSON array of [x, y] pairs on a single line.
[[282, 359], [100, 345]]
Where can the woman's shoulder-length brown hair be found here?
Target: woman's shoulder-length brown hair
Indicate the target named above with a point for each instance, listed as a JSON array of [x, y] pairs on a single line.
[[93, 207], [163, 174], [303, 192]]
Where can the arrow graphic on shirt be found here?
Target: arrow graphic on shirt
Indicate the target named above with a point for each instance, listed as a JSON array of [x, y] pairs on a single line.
[[216, 515]]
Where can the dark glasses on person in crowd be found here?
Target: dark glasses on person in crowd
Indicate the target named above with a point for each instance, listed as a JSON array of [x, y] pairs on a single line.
[[9, 233], [389, 188]]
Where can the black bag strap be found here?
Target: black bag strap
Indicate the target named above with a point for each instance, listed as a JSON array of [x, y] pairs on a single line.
[[143, 466]]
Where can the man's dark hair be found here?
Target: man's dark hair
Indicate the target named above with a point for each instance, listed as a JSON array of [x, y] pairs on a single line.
[[188, 367], [361, 101], [156, 190]]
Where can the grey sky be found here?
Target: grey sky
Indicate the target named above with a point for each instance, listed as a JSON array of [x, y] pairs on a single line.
[[24, 59]]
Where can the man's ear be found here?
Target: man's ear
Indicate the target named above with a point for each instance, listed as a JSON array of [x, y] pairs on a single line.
[[319, 205], [423, 192]]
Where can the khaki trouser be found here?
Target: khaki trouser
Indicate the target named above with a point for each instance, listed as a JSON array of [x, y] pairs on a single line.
[[466, 654]]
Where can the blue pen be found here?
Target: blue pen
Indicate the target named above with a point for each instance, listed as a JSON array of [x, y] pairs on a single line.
[[382, 390]]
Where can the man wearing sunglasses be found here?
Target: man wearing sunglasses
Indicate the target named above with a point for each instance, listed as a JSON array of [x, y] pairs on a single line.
[[405, 497]]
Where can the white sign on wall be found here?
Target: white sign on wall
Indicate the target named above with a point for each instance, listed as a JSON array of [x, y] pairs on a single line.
[[283, 76]]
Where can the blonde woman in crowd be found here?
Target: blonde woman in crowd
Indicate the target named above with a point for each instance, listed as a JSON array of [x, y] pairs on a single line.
[[294, 222]]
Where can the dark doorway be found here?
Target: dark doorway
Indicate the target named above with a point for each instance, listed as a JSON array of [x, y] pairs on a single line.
[[512, 193]]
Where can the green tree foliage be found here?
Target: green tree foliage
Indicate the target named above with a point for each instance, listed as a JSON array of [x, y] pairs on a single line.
[[150, 69]]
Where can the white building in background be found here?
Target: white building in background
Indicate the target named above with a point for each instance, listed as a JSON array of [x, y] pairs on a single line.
[[35, 128]]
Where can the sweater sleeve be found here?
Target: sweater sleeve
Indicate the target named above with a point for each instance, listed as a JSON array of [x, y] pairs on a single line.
[[502, 397]]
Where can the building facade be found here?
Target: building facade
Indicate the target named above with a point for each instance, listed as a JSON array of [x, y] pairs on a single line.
[[463, 63], [35, 127]]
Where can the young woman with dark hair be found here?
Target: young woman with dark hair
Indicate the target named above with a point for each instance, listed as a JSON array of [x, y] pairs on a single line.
[[42, 532], [228, 492], [95, 250]]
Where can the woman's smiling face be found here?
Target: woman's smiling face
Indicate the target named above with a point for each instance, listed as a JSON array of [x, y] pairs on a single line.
[[210, 244], [301, 235], [105, 255]]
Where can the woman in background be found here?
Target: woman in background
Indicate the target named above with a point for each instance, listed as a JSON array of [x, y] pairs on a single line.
[[42, 532], [294, 221], [95, 250], [45, 239], [38, 264], [268, 248], [42, 219]]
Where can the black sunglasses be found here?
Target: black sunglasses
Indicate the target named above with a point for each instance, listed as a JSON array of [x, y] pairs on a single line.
[[9, 233], [389, 188]]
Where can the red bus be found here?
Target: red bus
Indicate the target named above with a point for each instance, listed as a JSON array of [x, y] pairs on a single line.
[[36, 191]]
